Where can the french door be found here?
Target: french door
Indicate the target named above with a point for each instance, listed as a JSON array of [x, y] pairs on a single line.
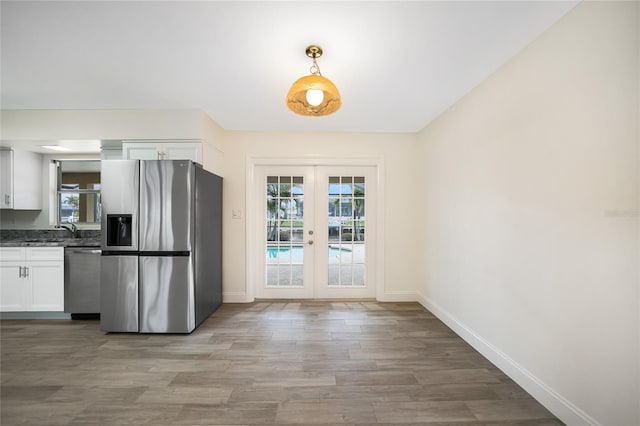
[[317, 231]]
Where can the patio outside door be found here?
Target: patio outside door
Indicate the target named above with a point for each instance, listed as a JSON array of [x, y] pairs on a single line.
[[317, 228]]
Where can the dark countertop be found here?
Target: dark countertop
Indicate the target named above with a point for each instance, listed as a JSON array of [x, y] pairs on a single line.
[[49, 238], [69, 242]]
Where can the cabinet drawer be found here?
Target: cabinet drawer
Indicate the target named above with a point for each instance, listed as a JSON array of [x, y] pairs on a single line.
[[10, 254], [45, 253]]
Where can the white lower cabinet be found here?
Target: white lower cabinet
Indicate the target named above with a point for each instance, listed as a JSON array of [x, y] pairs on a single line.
[[13, 288], [31, 279]]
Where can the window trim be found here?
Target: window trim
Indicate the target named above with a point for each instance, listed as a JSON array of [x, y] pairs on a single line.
[[59, 190]]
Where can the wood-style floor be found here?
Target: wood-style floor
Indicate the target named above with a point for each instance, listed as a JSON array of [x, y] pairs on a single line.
[[262, 363]]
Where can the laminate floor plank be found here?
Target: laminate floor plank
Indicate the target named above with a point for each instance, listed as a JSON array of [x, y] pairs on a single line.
[[265, 363], [304, 412], [412, 412]]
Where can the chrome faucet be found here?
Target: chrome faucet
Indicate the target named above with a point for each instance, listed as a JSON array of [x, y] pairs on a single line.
[[71, 228]]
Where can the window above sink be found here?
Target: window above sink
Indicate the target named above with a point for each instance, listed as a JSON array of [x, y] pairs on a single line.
[[78, 192]]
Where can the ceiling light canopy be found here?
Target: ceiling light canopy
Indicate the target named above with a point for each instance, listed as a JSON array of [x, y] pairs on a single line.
[[314, 95]]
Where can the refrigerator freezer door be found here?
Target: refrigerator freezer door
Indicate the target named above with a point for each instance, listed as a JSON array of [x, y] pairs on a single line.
[[166, 294], [166, 212], [119, 196], [119, 293]]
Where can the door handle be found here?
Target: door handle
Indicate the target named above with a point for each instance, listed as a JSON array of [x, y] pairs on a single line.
[[310, 242]]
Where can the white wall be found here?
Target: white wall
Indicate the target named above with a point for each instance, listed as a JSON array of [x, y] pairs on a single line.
[[212, 145], [530, 198], [100, 124], [397, 152]]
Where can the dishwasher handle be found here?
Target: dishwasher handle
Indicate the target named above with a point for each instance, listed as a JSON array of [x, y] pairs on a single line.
[[89, 250]]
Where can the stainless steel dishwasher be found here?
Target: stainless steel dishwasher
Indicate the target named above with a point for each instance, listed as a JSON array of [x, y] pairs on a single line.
[[82, 282]]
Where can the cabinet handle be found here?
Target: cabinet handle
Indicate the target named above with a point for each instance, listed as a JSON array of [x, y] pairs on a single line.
[[19, 271], [7, 199], [26, 272]]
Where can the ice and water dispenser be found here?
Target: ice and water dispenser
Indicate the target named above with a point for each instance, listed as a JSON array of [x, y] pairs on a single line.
[[119, 230]]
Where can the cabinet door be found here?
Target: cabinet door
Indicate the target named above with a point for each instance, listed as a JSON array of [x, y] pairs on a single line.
[[182, 151], [13, 287], [108, 153], [9, 254], [47, 286], [140, 151], [6, 179], [27, 180], [158, 150], [44, 253]]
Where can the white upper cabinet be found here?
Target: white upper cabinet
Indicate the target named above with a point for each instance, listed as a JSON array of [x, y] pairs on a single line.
[[111, 153], [163, 150], [6, 178], [20, 180]]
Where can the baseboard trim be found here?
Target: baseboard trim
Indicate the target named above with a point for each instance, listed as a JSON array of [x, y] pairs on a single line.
[[547, 396], [235, 297], [34, 315], [390, 296], [397, 296]]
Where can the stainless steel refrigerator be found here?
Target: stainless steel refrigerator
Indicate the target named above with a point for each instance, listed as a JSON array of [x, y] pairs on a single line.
[[161, 263]]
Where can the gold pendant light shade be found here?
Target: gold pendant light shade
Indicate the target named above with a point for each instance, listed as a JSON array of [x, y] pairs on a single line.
[[298, 100], [314, 95]]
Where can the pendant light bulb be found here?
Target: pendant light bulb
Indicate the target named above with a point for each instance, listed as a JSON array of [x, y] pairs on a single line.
[[314, 97]]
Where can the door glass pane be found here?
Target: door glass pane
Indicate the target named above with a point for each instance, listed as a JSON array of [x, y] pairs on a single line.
[[346, 231], [284, 197]]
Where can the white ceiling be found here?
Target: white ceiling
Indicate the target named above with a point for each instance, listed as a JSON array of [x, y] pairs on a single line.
[[397, 64]]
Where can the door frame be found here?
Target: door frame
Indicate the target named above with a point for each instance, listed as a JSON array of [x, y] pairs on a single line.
[[252, 234]]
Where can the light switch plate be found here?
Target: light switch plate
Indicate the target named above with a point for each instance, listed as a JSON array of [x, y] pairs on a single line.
[[236, 213]]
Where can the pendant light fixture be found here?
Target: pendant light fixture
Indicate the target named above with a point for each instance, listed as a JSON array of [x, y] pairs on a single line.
[[313, 95]]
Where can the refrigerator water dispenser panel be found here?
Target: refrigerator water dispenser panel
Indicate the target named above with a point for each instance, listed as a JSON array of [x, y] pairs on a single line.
[[119, 230]]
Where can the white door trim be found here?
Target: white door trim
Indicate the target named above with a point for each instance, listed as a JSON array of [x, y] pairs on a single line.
[[252, 234]]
